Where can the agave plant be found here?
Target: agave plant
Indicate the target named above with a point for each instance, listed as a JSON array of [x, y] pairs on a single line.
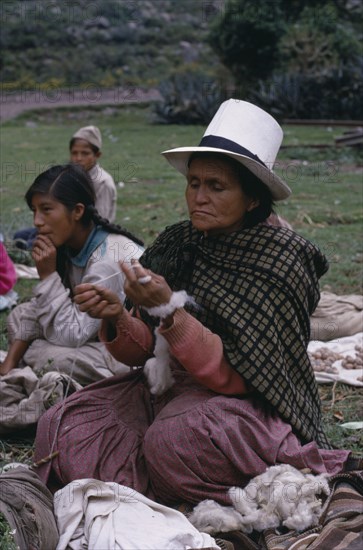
[[188, 99]]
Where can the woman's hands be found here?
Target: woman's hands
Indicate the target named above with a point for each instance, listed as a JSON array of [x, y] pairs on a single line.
[[44, 254], [142, 287], [98, 302]]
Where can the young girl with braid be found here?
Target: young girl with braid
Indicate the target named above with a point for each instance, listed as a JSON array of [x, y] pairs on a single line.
[[74, 245]]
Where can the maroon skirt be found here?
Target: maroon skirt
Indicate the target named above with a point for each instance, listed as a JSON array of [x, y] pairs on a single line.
[[188, 445]]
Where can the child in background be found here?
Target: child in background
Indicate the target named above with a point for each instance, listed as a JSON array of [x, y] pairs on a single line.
[[85, 150]]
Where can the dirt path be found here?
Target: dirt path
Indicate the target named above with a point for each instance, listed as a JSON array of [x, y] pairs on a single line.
[[14, 103]]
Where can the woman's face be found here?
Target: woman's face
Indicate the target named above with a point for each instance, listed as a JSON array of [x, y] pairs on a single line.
[[215, 199], [83, 154], [52, 219]]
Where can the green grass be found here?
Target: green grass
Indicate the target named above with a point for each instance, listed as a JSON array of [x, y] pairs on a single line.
[[133, 159], [342, 403], [326, 204], [6, 536]]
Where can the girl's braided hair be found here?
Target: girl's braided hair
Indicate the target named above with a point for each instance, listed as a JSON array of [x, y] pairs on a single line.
[[111, 227]]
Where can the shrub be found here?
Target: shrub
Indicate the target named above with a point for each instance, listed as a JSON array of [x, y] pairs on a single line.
[[336, 95], [188, 98]]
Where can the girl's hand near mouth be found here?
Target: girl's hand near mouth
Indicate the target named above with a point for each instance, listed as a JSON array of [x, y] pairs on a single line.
[[44, 254]]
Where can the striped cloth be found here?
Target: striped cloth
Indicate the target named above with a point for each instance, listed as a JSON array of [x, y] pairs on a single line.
[[256, 288], [340, 525]]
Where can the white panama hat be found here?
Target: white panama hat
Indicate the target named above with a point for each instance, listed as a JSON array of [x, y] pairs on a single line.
[[246, 133]]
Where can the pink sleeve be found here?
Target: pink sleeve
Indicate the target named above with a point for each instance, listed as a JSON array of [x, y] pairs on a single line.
[[7, 271], [131, 342], [201, 353]]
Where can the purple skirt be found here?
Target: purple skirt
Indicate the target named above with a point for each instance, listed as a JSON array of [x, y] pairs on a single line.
[[188, 445]]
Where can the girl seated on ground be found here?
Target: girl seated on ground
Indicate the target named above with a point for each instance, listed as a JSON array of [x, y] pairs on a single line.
[[73, 245]]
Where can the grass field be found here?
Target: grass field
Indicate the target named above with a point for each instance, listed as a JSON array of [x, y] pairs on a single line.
[[326, 206]]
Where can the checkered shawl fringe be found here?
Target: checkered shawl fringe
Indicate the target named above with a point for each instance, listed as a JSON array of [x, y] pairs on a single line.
[[256, 289]]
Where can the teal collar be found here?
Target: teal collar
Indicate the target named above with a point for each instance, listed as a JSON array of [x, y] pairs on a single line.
[[96, 237]]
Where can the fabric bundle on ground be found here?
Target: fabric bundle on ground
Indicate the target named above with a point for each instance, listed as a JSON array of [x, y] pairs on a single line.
[[93, 514], [337, 316], [27, 506], [24, 397]]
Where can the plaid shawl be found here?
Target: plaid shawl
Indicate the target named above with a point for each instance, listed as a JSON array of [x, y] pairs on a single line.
[[256, 289]]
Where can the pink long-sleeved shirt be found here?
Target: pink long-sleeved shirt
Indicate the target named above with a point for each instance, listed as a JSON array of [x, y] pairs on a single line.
[[194, 346], [7, 272]]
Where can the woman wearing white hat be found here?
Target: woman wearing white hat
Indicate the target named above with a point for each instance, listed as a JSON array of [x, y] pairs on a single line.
[[244, 395]]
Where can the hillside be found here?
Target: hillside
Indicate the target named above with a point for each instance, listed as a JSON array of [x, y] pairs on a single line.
[[302, 60], [111, 43]]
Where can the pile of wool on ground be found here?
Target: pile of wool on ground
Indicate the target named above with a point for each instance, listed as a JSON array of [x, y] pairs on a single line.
[[281, 496]]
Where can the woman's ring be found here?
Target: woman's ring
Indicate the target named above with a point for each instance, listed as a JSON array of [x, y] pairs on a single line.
[[144, 280]]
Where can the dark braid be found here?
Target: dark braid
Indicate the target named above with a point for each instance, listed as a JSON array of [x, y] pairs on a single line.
[[61, 262], [109, 226]]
